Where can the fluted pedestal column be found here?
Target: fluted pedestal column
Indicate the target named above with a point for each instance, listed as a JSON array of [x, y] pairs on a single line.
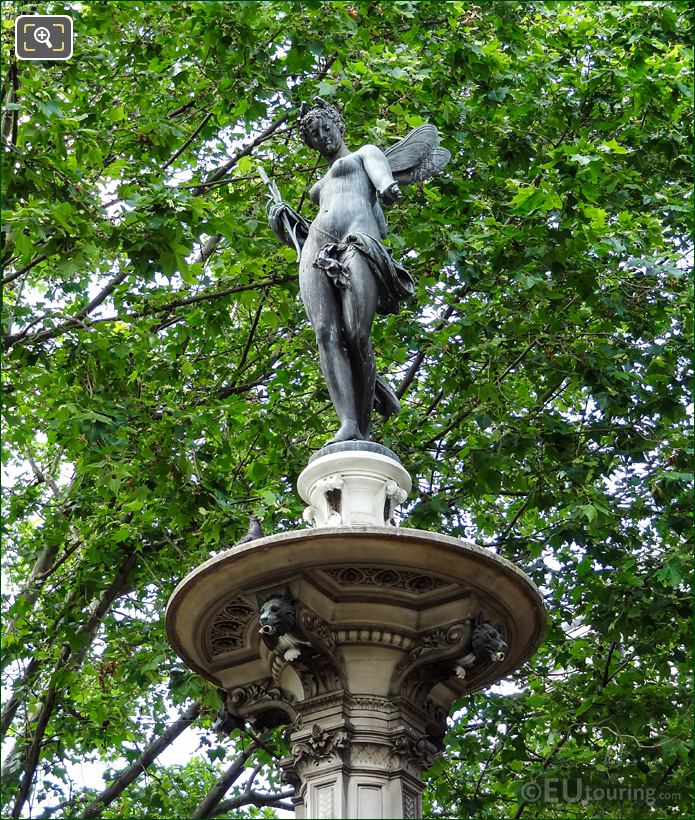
[[358, 756]]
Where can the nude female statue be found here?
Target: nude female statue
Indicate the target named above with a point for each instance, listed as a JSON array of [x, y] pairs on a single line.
[[345, 274]]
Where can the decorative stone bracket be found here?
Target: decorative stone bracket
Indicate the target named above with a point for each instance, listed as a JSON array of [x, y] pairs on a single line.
[[310, 651], [321, 744]]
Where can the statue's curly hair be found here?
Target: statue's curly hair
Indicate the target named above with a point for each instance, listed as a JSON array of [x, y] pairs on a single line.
[[318, 108]]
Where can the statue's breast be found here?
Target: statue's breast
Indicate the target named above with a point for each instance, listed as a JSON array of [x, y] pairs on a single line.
[[346, 165]]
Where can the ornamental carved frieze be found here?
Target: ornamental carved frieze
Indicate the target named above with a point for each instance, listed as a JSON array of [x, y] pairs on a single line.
[[370, 703], [416, 582], [375, 635], [370, 755]]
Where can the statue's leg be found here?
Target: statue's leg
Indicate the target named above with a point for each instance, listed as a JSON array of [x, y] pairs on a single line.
[[322, 305], [359, 306]]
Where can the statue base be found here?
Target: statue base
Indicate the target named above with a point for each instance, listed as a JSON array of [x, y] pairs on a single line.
[[346, 485], [358, 634]]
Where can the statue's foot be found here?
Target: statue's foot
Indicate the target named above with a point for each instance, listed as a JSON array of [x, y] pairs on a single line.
[[348, 432]]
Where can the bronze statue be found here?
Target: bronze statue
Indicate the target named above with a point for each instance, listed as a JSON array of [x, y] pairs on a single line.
[[345, 274]]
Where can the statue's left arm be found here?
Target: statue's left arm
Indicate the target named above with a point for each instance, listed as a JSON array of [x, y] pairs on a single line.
[[379, 172]]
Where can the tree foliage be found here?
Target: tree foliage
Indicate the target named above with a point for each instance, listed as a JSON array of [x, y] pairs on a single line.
[[161, 382]]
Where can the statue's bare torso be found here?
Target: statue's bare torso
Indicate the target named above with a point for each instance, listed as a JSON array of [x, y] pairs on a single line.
[[346, 196]]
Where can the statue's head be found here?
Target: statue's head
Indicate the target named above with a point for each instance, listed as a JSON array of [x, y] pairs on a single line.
[[311, 116]]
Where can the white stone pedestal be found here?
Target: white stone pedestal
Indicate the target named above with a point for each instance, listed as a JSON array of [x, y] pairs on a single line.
[[353, 487]]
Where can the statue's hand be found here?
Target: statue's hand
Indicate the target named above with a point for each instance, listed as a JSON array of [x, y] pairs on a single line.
[[289, 227], [391, 194], [275, 214]]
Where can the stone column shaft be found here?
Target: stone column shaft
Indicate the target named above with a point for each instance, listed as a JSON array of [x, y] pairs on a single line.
[[358, 757]]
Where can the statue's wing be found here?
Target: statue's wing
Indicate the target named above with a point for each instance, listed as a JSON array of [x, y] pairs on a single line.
[[418, 156]]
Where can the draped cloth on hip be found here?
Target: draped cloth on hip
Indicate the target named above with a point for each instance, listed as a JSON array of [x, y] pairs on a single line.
[[395, 283]]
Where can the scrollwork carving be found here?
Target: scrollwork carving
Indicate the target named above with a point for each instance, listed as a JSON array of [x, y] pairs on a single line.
[[245, 696], [439, 641], [263, 703], [320, 745], [228, 628], [316, 628], [326, 507], [414, 751], [393, 496]]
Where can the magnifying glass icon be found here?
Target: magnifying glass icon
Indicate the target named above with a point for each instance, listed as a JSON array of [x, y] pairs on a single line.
[[43, 35]]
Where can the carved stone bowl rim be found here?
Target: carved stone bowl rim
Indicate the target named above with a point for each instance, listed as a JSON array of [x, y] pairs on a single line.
[[287, 549]]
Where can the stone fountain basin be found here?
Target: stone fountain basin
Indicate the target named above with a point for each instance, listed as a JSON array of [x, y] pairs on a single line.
[[388, 600]]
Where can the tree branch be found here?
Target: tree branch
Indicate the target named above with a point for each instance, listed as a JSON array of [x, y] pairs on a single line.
[[420, 357], [262, 137], [218, 791], [493, 752], [147, 311], [252, 333], [197, 131], [74, 321], [206, 297], [512, 524], [88, 629], [551, 754], [516, 361], [45, 564], [209, 248], [256, 799], [605, 680], [10, 119], [127, 776], [227, 167], [12, 276], [103, 294], [182, 108], [9, 710]]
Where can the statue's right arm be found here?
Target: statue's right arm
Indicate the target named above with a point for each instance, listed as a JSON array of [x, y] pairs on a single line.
[[283, 219]]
